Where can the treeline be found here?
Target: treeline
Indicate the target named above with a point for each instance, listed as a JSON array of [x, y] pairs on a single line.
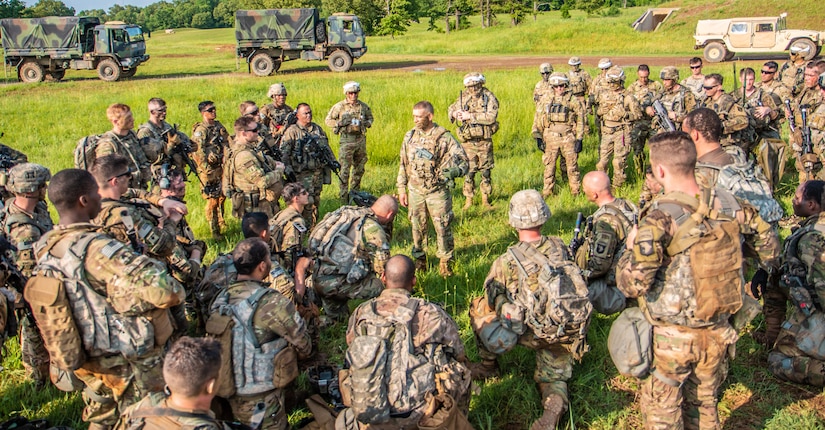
[[382, 17]]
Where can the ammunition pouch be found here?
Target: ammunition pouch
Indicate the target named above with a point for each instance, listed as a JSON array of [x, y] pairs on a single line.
[[477, 131]]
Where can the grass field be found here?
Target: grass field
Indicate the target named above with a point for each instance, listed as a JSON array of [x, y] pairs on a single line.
[[45, 121]]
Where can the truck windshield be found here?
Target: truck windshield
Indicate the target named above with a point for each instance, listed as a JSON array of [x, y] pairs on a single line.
[[356, 26], [135, 34]]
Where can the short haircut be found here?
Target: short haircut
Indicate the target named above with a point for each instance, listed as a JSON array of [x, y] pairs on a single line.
[[820, 66], [244, 106], [107, 167], [424, 104], [254, 223], [156, 103], [773, 65], [242, 123], [643, 68], [706, 122], [205, 104], [695, 60], [675, 150], [291, 191], [249, 254], [190, 364], [716, 78], [814, 190], [300, 105], [399, 271], [67, 186], [117, 111], [747, 71]]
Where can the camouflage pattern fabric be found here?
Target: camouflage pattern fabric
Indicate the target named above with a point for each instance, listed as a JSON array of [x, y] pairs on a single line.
[[15, 157], [618, 109], [253, 180], [274, 118], [580, 82], [158, 149], [791, 75], [299, 159], [541, 90], [129, 145], [293, 229], [695, 85], [734, 120], [476, 136], [679, 100], [351, 122], [211, 141], [642, 128], [559, 121], [812, 97], [154, 411], [246, 407]]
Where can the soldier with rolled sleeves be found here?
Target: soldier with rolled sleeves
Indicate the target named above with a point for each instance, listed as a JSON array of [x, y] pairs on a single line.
[[735, 128], [581, 84], [430, 161], [809, 98], [476, 113], [677, 100], [162, 143], [646, 92], [121, 139], [558, 127], [792, 72], [350, 118], [274, 115], [618, 109], [543, 86], [211, 139]]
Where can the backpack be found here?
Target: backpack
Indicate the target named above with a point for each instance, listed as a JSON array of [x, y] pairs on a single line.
[[386, 376], [84, 152], [329, 242], [217, 277], [630, 343]]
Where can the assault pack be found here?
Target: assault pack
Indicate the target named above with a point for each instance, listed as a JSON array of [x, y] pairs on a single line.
[[329, 242], [216, 278], [84, 152]]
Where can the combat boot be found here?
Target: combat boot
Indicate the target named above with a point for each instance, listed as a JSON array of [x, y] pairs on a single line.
[[485, 201], [553, 408], [421, 264], [444, 268], [216, 230], [484, 370]]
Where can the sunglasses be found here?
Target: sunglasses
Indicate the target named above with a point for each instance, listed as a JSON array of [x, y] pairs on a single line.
[[710, 87], [127, 173], [545, 73], [768, 72], [254, 130], [695, 67], [162, 110], [211, 110]]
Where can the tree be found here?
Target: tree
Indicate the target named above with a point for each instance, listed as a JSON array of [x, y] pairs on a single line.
[[48, 8], [11, 8], [100, 13]]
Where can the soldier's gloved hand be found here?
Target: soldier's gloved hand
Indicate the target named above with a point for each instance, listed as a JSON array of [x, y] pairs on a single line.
[[540, 144], [577, 146], [452, 173], [172, 140], [758, 283], [212, 158]]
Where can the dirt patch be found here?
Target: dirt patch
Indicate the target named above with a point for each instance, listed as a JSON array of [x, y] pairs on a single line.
[[225, 48]]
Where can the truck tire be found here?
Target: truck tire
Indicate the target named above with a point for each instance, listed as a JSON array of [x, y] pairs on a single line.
[[129, 73], [320, 32], [806, 43], [262, 64], [30, 72], [715, 52], [340, 61], [56, 75], [108, 70]]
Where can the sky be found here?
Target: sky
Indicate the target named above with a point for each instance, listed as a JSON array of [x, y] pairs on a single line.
[[79, 5]]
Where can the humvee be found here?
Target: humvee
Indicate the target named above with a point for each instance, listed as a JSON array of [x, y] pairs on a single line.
[[722, 39]]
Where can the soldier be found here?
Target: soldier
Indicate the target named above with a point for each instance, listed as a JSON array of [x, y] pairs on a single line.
[[475, 112], [764, 111], [9, 157], [351, 118], [304, 146], [435, 343], [803, 273], [358, 274], [543, 87], [618, 109], [183, 232], [580, 81], [791, 74], [809, 98], [288, 229], [696, 80], [599, 84], [191, 372], [705, 130], [163, 143], [252, 180], [558, 126], [735, 129], [274, 115], [113, 280], [677, 100], [646, 91], [211, 138], [122, 140], [604, 243], [24, 220], [689, 286], [256, 224], [430, 161], [515, 274], [276, 336], [769, 82]]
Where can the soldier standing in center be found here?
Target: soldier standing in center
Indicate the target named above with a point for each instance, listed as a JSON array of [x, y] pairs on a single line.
[[558, 126], [618, 109], [211, 138], [696, 80], [646, 92], [677, 100], [121, 139], [162, 143], [351, 118], [273, 115], [733, 116], [475, 112], [430, 161]]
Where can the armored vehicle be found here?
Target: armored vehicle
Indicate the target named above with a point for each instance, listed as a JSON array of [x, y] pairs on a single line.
[[722, 39], [266, 38], [45, 47]]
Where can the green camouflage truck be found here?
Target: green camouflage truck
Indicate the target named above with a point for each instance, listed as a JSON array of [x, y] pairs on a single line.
[[44, 48], [266, 38]]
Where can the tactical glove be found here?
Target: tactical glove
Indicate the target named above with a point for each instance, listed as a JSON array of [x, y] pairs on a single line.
[[452, 173], [577, 146], [172, 140], [540, 144], [758, 283]]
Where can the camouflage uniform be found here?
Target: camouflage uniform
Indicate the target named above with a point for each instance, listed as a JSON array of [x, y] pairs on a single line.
[[618, 109], [251, 180], [543, 87], [425, 158], [560, 121], [792, 76], [14, 157], [129, 145], [133, 285], [688, 352], [642, 130], [476, 137], [770, 146], [580, 85], [603, 244], [159, 150], [802, 258], [300, 149], [812, 98], [351, 121], [274, 118], [678, 99], [734, 121], [275, 317], [292, 230], [695, 85], [372, 250], [211, 140], [154, 409]]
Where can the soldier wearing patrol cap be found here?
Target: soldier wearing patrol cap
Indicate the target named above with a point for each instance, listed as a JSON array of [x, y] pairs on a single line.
[[543, 86], [274, 115], [350, 118], [558, 127], [580, 81], [476, 113], [792, 72], [24, 220], [618, 109]]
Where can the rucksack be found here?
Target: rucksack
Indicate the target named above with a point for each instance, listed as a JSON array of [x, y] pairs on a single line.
[[84, 152], [387, 377], [216, 278], [329, 242], [558, 310], [629, 343]]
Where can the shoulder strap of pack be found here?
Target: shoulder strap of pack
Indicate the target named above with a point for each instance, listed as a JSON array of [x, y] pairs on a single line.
[[611, 210], [253, 301], [528, 251], [167, 412]]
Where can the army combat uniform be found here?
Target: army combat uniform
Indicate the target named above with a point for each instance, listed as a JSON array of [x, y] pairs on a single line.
[[211, 141], [154, 411], [301, 149], [129, 146], [580, 86], [811, 98], [678, 99], [618, 110], [251, 180], [792, 75], [642, 130], [603, 244], [274, 118], [351, 122], [770, 148], [288, 230], [735, 126], [559, 121], [163, 149]]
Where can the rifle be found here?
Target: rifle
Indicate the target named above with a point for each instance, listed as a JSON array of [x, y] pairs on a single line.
[[807, 145], [14, 279], [801, 294], [791, 118], [577, 241], [184, 148], [324, 154], [6, 162], [661, 114]]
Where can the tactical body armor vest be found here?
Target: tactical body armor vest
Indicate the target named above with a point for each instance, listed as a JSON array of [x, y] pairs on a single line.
[[423, 153]]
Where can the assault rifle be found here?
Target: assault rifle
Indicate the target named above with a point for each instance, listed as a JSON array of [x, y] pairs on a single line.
[[578, 240], [791, 118], [807, 145], [661, 114], [801, 295], [322, 153], [183, 148]]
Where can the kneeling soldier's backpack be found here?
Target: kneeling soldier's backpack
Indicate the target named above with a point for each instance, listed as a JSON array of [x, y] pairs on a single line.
[[329, 242], [84, 152]]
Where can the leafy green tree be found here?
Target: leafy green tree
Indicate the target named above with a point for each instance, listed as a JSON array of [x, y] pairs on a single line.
[[11, 8], [100, 13], [128, 14], [48, 8], [203, 20]]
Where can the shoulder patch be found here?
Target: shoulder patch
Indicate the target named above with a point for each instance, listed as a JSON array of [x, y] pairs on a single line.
[[643, 248], [109, 250]]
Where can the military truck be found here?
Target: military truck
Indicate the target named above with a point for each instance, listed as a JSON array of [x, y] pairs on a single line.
[[267, 38], [722, 39], [44, 48]]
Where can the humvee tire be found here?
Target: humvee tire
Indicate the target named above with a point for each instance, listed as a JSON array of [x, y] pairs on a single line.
[[31, 72], [715, 52], [108, 70], [129, 73], [340, 61]]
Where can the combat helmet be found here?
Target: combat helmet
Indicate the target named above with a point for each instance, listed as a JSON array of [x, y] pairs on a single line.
[[797, 51], [528, 210], [27, 178], [557, 79], [352, 87], [615, 75], [605, 63], [574, 61], [474, 78], [669, 72], [276, 90], [545, 68]]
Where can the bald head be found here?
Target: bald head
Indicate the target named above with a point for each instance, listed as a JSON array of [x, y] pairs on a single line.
[[596, 186], [385, 208], [399, 272]]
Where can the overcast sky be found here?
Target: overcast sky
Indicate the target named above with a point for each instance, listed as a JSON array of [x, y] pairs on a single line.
[[79, 5]]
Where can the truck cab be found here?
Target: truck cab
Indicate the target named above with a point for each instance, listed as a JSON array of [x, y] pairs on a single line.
[[124, 41], [345, 30]]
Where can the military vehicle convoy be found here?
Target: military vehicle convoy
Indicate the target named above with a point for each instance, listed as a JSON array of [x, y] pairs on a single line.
[[722, 39], [267, 38], [44, 48]]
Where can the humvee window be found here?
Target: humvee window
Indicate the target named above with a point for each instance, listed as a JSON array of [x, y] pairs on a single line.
[[764, 27], [739, 28]]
